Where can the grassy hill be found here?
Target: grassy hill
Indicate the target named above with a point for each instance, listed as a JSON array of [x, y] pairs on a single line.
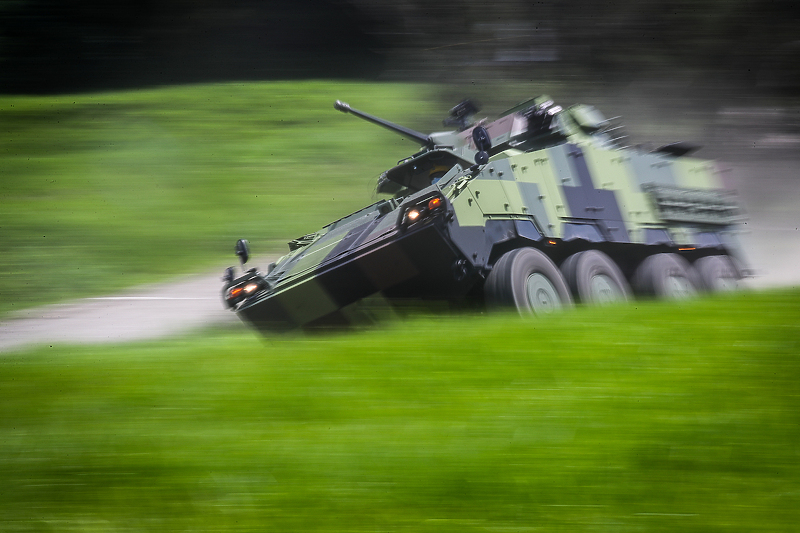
[[101, 191], [106, 190], [645, 417]]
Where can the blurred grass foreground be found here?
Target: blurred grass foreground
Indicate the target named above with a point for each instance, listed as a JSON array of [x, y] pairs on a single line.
[[647, 417]]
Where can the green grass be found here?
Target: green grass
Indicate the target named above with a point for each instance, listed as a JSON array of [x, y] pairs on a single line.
[[108, 190], [647, 417], [101, 191]]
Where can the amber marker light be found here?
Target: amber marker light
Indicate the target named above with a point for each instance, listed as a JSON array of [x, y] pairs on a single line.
[[434, 203], [551, 243], [686, 249], [236, 292]]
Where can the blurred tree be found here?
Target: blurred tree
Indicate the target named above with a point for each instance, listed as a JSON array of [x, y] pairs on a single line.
[[56, 45], [60, 45]]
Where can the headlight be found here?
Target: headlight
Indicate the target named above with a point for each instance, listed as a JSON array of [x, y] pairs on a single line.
[[250, 288], [238, 293], [422, 210]]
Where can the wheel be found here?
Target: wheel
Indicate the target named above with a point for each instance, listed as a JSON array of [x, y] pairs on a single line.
[[666, 276], [717, 273], [528, 280], [595, 278]]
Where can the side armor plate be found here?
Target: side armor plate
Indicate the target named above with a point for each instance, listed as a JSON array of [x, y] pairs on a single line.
[[696, 206]]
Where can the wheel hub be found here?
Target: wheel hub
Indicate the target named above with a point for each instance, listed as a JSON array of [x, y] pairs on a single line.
[[677, 286], [542, 295], [726, 282], [604, 290]]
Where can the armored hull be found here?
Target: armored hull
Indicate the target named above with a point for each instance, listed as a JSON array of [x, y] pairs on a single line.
[[534, 210]]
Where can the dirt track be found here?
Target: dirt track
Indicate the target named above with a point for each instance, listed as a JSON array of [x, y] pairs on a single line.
[[150, 312], [159, 311]]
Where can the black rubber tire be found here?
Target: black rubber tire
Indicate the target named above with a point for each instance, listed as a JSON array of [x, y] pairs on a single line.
[[667, 276], [717, 273], [527, 280], [595, 279]]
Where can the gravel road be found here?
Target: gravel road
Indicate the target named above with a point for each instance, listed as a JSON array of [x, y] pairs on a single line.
[[148, 312], [163, 310]]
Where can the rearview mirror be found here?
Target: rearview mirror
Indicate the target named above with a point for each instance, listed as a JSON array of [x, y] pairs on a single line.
[[242, 250]]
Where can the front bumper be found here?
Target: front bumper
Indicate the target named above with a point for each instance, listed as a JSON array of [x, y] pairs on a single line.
[[418, 262]]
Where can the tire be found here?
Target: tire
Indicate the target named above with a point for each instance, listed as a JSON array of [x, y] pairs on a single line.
[[529, 281], [595, 279], [717, 273], [667, 276]]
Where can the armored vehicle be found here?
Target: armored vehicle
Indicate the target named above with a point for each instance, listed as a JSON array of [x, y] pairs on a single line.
[[534, 210]]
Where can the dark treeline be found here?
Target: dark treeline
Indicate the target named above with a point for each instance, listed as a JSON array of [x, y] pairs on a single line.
[[65, 45]]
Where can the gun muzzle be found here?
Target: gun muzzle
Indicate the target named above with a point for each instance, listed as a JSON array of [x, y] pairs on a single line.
[[421, 138]]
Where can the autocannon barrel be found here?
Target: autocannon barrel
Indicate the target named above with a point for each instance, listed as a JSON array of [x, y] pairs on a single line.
[[402, 130]]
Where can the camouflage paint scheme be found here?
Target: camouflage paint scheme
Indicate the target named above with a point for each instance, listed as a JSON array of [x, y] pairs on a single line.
[[556, 180]]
